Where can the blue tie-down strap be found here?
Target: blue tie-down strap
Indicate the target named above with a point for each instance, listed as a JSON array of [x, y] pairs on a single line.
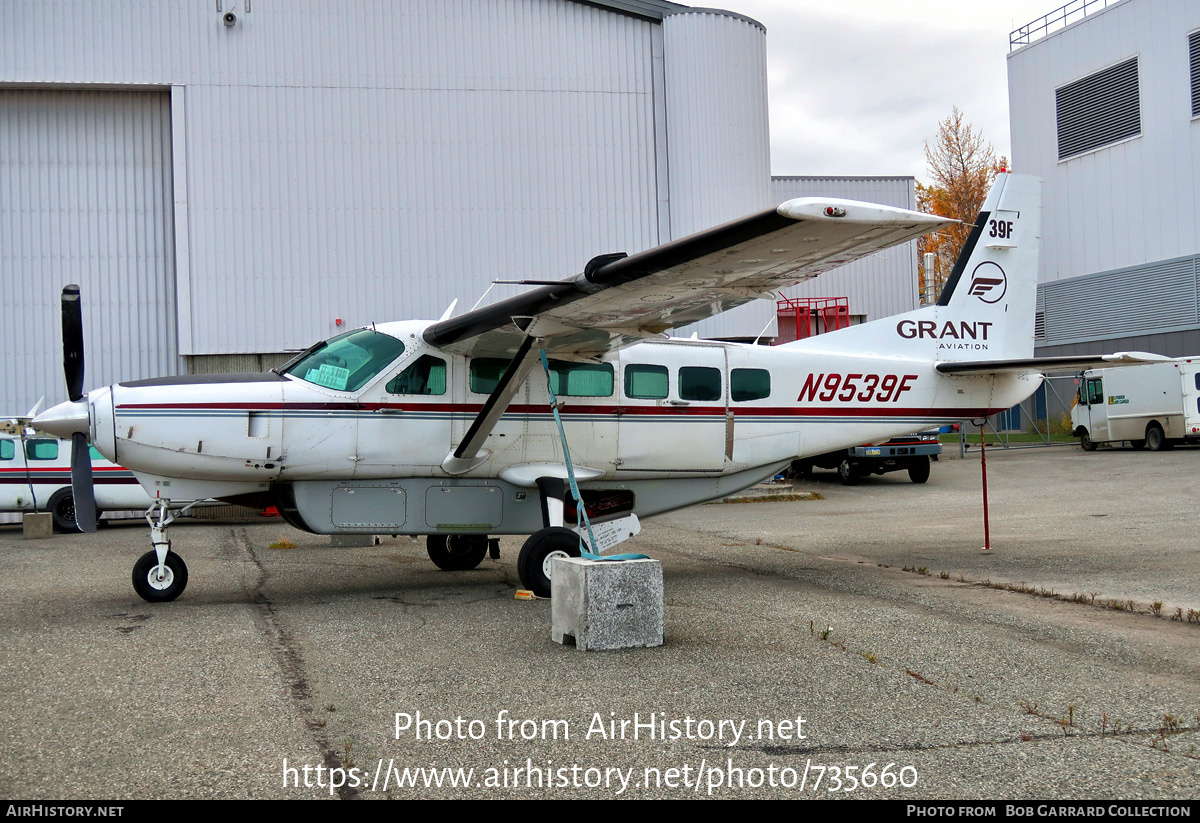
[[575, 494], [590, 556]]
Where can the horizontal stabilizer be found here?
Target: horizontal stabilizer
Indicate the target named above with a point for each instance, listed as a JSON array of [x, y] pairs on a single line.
[[1051, 365]]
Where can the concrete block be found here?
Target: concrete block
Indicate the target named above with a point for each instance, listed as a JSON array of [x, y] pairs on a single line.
[[351, 541], [607, 604], [38, 526]]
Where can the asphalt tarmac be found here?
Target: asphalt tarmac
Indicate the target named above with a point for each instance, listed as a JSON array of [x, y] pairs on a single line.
[[801, 659]]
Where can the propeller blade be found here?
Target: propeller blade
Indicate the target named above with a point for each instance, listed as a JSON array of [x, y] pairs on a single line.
[[72, 332], [81, 483]]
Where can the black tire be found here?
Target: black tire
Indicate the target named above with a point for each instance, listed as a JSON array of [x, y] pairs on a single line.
[[534, 560], [1156, 441], [456, 552], [918, 470], [159, 591], [62, 510], [1086, 443], [1137, 445], [848, 473], [801, 469]]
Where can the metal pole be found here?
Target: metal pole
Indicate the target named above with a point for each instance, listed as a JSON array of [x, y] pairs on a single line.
[[987, 537], [929, 293]]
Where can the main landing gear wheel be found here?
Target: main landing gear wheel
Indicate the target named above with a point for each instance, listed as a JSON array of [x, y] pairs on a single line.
[[456, 552], [62, 511], [538, 553], [918, 472], [159, 588]]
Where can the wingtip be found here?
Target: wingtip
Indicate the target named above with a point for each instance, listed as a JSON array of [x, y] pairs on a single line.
[[854, 211]]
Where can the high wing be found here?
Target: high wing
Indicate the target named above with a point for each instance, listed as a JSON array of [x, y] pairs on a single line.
[[620, 299], [1051, 365]]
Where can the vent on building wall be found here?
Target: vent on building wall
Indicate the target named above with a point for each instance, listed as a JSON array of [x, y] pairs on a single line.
[[1100, 109], [1194, 56]]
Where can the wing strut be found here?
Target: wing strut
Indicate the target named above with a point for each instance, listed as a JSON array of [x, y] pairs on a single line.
[[469, 453]]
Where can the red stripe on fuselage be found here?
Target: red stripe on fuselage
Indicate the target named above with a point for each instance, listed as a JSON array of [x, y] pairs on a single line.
[[569, 409]]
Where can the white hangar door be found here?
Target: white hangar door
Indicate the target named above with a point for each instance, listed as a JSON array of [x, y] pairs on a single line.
[[85, 197]]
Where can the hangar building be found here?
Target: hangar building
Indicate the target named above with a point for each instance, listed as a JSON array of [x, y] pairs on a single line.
[[229, 180], [1105, 107]]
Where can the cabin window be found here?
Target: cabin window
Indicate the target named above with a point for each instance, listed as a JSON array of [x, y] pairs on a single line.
[[95, 453], [7, 450], [699, 383], [41, 449], [749, 384], [581, 379], [486, 373], [647, 382], [348, 361], [426, 376]]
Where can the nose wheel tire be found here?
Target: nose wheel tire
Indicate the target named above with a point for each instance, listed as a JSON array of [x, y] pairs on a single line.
[[456, 552], [154, 586], [538, 554]]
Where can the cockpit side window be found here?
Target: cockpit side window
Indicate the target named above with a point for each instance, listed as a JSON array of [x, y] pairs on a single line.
[[425, 376], [349, 361], [7, 450]]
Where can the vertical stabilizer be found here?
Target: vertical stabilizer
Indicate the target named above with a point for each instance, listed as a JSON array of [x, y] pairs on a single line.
[[995, 278], [986, 311]]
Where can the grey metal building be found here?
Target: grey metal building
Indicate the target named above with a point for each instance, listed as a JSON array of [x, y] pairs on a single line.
[[230, 180], [1105, 107], [877, 286]]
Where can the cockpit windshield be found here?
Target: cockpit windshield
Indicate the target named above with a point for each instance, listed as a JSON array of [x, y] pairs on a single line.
[[348, 361]]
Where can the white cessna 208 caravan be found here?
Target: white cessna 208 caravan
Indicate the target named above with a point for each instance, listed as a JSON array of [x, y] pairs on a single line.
[[444, 428]]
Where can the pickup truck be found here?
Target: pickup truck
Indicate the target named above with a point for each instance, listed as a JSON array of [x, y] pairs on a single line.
[[911, 452]]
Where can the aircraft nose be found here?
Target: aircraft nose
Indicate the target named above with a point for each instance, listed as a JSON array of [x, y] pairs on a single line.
[[64, 419]]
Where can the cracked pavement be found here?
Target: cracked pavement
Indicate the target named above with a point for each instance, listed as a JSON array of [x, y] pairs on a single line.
[[774, 611]]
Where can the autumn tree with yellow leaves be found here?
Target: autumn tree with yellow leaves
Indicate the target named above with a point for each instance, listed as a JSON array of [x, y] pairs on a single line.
[[962, 167]]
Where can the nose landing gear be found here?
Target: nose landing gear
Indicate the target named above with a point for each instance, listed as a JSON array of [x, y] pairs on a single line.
[[160, 575]]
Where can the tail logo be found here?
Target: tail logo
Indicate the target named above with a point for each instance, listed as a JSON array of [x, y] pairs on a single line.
[[988, 282]]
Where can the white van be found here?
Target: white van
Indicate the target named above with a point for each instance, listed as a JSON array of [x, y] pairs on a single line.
[[1152, 406], [35, 475]]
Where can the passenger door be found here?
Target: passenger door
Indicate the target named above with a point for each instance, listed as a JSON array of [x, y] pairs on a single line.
[[673, 407]]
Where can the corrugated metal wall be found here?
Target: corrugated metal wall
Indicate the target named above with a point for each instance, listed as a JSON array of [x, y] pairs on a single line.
[[85, 197], [1121, 205], [878, 286], [373, 160], [1138, 301], [718, 147]]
